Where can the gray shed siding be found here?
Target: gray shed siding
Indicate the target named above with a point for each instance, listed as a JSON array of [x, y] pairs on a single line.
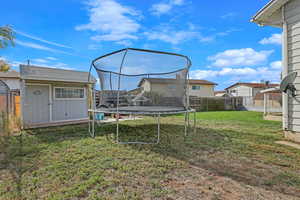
[[292, 17], [69, 109], [37, 108]]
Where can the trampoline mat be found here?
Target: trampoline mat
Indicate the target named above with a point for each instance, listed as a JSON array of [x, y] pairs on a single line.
[[145, 109]]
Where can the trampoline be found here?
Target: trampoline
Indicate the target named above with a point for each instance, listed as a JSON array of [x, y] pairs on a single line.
[[141, 82]]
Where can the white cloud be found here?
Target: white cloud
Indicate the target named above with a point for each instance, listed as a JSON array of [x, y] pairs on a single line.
[[202, 74], [124, 43], [40, 60], [246, 74], [239, 57], [228, 15], [160, 8], [174, 37], [273, 39], [165, 7], [111, 21], [39, 47], [227, 32], [94, 47], [51, 58], [276, 65], [3, 58], [42, 40]]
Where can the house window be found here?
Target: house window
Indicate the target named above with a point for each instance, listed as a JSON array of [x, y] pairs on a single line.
[[196, 87], [233, 91], [69, 93]]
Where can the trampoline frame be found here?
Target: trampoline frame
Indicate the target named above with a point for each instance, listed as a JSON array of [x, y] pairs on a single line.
[[156, 114], [187, 110]]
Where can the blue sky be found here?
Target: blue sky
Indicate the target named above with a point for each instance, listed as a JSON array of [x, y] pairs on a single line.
[[224, 46]]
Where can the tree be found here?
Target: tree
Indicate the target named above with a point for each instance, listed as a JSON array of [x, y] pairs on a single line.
[[4, 67], [7, 36]]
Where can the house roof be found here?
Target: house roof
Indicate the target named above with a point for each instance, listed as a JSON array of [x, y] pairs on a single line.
[[220, 92], [30, 72], [202, 82], [253, 85], [169, 80], [10, 74], [270, 14]]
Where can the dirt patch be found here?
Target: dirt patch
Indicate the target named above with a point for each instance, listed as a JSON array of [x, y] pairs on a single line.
[[198, 183]]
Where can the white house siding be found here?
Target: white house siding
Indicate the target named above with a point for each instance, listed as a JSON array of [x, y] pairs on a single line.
[[292, 17], [205, 91], [241, 91], [164, 89]]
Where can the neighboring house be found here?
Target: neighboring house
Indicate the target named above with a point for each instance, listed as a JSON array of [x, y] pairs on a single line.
[[201, 88], [12, 79], [247, 89], [167, 87], [286, 14], [221, 93], [54, 96], [12, 102]]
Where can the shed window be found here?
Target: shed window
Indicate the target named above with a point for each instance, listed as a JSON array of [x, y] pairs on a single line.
[[69, 93], [196, 87]]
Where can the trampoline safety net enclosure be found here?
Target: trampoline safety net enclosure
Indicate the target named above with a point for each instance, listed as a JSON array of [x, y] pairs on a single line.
[[142, 81]]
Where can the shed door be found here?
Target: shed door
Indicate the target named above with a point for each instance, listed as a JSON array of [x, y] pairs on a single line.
[[36, 104]]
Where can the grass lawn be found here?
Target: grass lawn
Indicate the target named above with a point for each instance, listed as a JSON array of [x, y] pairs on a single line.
[[231, 155]]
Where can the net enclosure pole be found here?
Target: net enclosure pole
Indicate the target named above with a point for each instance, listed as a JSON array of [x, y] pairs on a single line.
[[118, 94]]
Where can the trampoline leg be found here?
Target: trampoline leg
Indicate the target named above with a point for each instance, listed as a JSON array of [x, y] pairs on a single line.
[[195, 120], [117, 120], [89, 124], [158, 129], [188, 121], [185, 124], [93, 125]]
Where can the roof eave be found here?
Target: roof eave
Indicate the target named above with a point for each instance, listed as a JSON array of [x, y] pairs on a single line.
[[267, 11]]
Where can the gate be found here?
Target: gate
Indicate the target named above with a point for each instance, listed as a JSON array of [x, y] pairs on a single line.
[[4, 104]]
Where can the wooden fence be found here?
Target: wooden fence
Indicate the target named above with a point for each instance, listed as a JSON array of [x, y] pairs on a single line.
[[216, 103]]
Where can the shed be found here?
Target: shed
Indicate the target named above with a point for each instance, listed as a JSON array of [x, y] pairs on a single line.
[[52, 96], [285, 14], [271, 98]]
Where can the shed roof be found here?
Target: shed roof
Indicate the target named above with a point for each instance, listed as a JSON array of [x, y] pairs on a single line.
[[253, 85], [30, 72], [270, 14], [10, 74]]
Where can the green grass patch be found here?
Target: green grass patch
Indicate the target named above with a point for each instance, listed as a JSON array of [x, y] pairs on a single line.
[[65, 163]]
